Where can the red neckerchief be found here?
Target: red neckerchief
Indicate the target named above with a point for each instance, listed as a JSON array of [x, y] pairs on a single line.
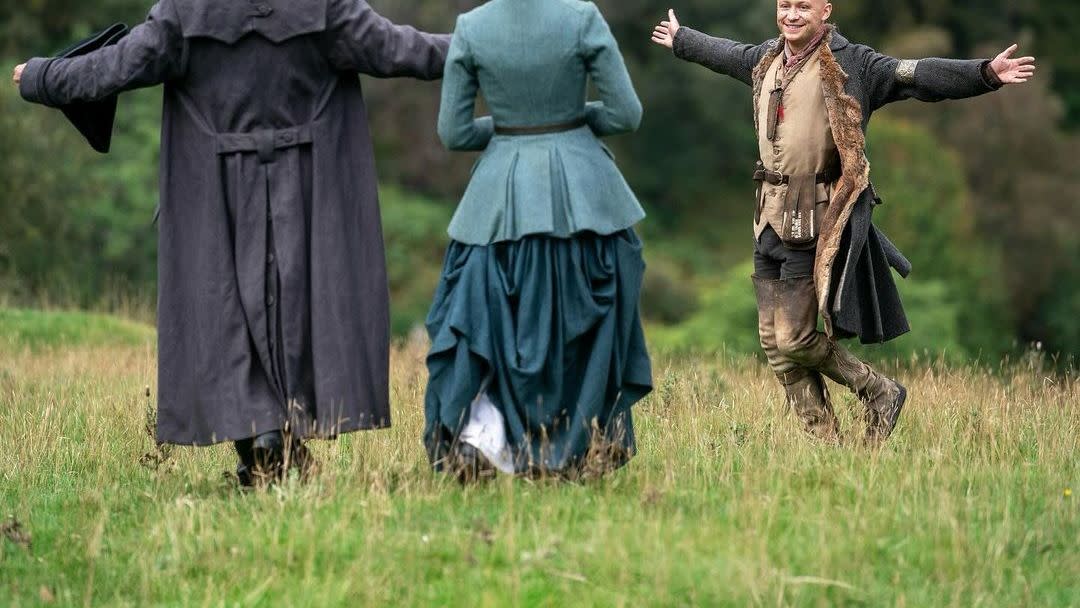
[[791, 61]]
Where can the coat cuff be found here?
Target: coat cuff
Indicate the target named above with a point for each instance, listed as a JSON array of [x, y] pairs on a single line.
[[990, 77], [685, 40], [32, 83]]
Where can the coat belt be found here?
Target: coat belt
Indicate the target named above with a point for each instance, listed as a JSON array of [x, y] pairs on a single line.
[[542, 129], [263, 141]]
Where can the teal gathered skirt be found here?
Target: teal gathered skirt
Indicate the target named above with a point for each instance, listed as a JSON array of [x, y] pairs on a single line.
[[550, 329]]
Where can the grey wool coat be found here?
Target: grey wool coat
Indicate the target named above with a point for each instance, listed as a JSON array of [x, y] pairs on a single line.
[[273, 298], [857, 295]]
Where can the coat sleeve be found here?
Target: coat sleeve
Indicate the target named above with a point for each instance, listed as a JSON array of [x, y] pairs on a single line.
[[735, 59], [150, 54], [364, 41], [934, 79], [458, 129], [619, 109]]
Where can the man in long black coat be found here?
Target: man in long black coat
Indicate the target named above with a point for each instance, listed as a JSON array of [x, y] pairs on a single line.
[[273, 302], [816, 250]]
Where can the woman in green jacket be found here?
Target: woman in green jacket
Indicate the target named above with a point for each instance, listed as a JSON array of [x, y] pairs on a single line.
[[537, 348]]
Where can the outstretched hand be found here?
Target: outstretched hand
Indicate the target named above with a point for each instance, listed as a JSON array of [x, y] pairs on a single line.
[[664, 34], [1013, 71], [16, 76]]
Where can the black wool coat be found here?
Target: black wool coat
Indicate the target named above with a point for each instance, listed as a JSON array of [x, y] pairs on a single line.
[[273, 299], [857, 295]]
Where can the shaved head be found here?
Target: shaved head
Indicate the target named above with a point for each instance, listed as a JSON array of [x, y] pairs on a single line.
[[800, 21]]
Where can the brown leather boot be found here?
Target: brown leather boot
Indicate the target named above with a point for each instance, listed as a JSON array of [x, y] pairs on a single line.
[[797, 335], [808, 397], [882, 396], [765, 289], [806, 393], [798, 339]]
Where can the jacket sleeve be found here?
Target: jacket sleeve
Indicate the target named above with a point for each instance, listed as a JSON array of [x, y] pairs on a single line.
[[890, 79], [735, 59], [364, 41], [150, 54], [619, 109], [457, 128]]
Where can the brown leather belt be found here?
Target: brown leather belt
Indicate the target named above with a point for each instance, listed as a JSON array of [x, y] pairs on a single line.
[[761, 174], [542, 130]]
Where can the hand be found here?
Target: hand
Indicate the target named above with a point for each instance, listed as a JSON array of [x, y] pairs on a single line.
[[16, 77], [1013, 71], [664, 34]]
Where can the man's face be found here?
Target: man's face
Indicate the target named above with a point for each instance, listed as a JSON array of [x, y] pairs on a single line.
[[800, 20]]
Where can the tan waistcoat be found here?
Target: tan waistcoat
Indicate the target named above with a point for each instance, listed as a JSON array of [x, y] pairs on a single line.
[[804, 143]]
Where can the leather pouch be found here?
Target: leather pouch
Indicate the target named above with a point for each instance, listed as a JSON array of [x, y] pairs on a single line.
[[800, 207]]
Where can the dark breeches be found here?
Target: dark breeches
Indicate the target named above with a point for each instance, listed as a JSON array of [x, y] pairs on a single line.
[[773, 260]]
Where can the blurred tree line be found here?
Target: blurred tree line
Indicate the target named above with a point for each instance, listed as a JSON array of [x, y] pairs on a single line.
[[982, 194]]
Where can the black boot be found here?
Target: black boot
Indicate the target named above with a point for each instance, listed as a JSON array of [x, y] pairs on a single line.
[[245, 469], [468, 464], [268, 454]]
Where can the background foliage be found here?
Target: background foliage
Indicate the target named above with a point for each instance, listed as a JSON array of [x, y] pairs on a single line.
[[981, 194]]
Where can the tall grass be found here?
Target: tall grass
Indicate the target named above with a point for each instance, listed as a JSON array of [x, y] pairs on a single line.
[[727, 502]]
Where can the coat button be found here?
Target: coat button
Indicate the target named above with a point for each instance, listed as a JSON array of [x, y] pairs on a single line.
[[270, 301], [263, 10], [270, 259]]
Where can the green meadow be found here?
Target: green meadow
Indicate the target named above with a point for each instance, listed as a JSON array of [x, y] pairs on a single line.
[[727, 504]]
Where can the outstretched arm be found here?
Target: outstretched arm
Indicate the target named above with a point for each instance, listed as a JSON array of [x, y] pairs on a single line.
[[937, 79], [720, 55], [457, 128], [619, 109], [364, 41], [149, 55]]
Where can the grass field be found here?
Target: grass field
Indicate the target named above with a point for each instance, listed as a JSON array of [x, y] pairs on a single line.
[[971, 503]]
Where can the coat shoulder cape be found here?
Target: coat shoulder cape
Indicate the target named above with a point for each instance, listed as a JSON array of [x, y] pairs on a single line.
[[275, 20]]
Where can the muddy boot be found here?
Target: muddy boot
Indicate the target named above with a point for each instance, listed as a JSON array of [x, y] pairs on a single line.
[[798, 339], [882, 396], [808, 397], [765, 289], [797, 335], [806, 393]]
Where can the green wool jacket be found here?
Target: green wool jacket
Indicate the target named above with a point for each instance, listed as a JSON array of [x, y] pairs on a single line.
[[531, 60]]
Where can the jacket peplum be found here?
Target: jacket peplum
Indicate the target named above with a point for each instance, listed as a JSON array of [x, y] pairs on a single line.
[[557, 184]]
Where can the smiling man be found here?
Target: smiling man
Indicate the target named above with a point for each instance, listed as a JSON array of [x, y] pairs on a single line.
[[816, 251]]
